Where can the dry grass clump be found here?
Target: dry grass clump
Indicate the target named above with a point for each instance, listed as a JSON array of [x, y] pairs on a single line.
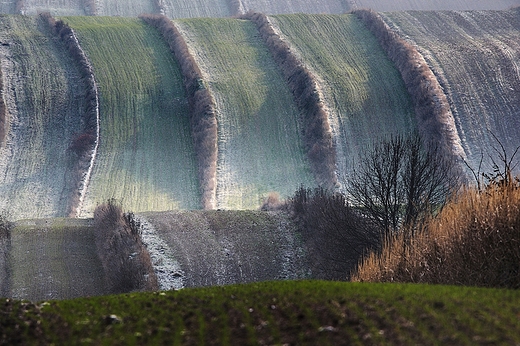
[[202, 107], [317, 134], [125, 259], [474, 240]]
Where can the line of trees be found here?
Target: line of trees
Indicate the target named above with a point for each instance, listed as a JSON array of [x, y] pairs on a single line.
[[434, 118], [125, 259], [202, 107], [318, 139], [83, 146]]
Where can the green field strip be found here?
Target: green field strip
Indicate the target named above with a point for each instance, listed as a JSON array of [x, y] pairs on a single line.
[[475, 56], [44, 100], [127, 8], [196, 8], [145, 157], [54, 7], [296, 6], [363, 91], [54, 259], [259, 140]]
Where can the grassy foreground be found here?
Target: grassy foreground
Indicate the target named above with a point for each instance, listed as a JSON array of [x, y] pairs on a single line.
[[287, 312]]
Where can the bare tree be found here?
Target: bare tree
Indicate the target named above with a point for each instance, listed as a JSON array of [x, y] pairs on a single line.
[[400, 180]]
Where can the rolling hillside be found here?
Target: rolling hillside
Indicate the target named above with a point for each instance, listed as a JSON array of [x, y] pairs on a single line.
[[363, 92], [426, 5], [43, 96], [259, 143], [145, 158], [475, 58]]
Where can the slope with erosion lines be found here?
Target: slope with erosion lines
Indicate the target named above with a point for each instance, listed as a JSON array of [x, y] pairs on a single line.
[[296, 6], [364, 92], [224, 247], [196, 8], [428, 5], [54, 259], [259, 140], [145, 157], [44, 99], [475, 55]]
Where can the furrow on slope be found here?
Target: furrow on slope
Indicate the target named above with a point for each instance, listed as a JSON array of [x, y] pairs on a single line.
[[196, 8], [145, 158], [296, 6], [55, 7], [475, 56], [259, 143], [427, 5], [127, 8], [43, 94], [364, 94]]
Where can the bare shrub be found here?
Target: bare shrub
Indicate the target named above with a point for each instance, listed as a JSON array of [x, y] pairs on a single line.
[[317, 133], [125, 259], [335, 234], [475, 240], [272, 202], [432, 110], [202, 107]]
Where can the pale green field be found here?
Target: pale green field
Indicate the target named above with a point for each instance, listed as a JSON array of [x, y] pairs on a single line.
[[145, 158], [259, 143], [54, 259], [363, 90], [43, 100], [475, 56]]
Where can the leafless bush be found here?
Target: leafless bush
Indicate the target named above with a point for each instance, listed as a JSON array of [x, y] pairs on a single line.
[[432, 110], [317, 134], [336, 235], [202, 107], [124, 257], [272, 202]]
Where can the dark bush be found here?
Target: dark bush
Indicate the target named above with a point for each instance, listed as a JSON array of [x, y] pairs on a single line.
[[125, 259], [336, 235]]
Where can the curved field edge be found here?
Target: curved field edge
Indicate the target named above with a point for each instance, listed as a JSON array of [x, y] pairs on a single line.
[[474, 55], [43, 93], [260, 148], [146, 158], [363, 93], [287, 312]]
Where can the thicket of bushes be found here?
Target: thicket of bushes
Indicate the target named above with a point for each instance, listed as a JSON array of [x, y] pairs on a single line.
[[475, 240], [434, 118], [202, 107], [5, 246], [125, 259], [84, 144], [317, 134]]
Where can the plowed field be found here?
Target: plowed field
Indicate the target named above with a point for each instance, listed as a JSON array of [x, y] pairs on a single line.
[[475, 55]]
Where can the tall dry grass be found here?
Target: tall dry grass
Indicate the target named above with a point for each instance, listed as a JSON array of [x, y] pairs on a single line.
[[474, 240], [202, 107], [125, 259], [317, 133]]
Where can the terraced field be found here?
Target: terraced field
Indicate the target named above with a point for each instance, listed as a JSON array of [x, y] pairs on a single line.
[[259, 144], [145, 158], [43, 101], [55, 7], [475, 55], [364, 92], [54, 259]]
